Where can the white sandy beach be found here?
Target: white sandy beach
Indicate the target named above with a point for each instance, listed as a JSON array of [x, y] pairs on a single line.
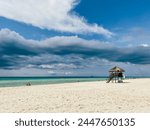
[[131, 96]]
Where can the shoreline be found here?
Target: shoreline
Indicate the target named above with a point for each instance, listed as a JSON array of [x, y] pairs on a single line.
[[130, 96], [43, 81], [48, 84]]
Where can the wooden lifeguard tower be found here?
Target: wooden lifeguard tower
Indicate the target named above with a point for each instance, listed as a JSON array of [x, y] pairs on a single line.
[[114, 73]]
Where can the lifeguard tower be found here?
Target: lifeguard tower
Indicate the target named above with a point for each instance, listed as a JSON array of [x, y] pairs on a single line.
[[116, 73]]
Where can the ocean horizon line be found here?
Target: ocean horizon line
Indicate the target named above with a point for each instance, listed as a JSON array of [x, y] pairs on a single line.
[[69, 76]]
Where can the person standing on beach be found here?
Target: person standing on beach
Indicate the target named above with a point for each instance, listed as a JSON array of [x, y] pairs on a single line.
[[28, 84], [120, 76]]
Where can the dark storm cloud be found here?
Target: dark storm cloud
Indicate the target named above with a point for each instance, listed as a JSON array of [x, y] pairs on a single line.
[[15, 51], [137, 55], [15, 48]]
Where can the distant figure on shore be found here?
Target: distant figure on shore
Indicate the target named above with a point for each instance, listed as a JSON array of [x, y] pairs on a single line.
[[28, 84], [120, 77]]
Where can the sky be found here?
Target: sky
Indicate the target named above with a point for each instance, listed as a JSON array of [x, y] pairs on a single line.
[[74, 37]]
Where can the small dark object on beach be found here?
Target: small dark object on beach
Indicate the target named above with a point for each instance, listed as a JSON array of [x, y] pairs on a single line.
[[28, 84]]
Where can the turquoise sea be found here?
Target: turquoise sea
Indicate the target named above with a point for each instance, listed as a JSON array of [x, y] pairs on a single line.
[[22, 81]]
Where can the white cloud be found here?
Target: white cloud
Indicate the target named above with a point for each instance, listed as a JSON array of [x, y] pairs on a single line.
[[7, 35], [51, 72], [135, 36], [50, 14], [58, 65], [59, 73], [145, 45]]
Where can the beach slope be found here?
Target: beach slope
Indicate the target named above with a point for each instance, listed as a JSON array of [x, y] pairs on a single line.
[[131, 96]]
